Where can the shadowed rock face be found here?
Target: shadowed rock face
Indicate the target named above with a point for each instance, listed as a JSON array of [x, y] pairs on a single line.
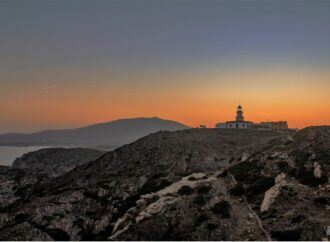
[[199, 184], [56, 161], [15, 185]]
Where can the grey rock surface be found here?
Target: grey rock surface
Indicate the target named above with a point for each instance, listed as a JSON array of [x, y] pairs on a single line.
[[184, 185], [56, 161]]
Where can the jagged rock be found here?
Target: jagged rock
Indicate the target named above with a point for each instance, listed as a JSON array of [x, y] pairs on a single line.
[[272, 193], [289, 139], [245, 156], [15, 185], [317, 170]]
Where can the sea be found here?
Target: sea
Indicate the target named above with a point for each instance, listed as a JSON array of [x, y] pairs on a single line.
[[9, 153]]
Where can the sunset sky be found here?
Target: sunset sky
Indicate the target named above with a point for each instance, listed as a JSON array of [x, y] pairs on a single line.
[[65, 64]]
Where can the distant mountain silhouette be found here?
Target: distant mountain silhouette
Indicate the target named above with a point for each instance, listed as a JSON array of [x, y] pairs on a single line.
[[111, 134]]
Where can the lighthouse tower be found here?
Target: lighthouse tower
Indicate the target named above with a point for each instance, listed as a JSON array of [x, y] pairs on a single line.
[[239, 114], [239, 122]]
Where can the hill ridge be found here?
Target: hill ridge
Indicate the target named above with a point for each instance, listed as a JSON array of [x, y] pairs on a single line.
[[112, 133]]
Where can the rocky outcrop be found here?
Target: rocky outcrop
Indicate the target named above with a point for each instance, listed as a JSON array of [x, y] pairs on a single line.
[[273, 192], [317, 170], [199, 184], [15, 187], [56, 161]]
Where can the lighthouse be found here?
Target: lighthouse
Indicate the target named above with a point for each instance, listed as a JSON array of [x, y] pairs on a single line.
[[239, 114], [239, 122]]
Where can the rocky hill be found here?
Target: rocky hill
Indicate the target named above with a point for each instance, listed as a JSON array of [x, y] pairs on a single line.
[[198, 184], [56, 161]]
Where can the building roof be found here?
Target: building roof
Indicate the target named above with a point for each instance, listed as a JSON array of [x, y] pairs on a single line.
[[231, 122]]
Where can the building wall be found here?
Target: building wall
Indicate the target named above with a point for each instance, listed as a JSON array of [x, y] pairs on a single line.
[[221, 125], [235, 125], [279, 125]]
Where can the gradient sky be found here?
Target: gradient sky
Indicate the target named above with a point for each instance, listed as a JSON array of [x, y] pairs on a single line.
[[70, 63]]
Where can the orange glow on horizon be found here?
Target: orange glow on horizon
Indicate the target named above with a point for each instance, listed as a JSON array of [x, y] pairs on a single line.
[[299, 97]]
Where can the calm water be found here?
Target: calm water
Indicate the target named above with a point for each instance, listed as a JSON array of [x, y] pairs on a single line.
[[8, 154]]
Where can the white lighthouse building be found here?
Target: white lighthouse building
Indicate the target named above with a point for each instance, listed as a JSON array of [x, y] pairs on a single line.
[[239, 123]]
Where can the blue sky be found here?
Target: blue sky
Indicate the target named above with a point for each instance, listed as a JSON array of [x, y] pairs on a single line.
[[78, 33]]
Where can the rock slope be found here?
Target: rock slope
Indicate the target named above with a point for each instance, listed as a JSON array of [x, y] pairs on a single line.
[[198, 184], [56, 161]]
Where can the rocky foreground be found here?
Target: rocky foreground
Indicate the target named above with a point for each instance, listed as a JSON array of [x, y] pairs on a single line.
[[198, 184]]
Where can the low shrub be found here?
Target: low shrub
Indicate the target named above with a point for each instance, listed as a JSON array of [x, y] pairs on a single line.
[[223, 208], [91, 195], [212, 226], [222, 174], [154, 184], [321, 201], [286, 235], [306, 177], [237, 190], [261, 184], [58, 234], [186, 190], [199, 200], [201, 218], [292, 172], [323, 157], [283, 166], [245, 170], [204, 189], [298, 218], [300, 156], [22, 217]]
